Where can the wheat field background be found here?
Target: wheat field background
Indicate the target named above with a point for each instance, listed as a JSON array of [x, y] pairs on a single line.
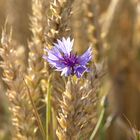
[[37, 103]]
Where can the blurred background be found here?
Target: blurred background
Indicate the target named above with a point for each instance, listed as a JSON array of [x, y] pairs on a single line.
[[113, 27]]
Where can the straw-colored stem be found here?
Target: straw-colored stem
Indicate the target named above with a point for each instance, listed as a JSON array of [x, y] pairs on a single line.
[[36, 113], [48, 111]]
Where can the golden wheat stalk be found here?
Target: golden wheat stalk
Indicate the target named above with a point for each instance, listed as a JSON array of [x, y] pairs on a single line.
[[58, 20], [87, 30], [36, 67], [79, 25], [37, 71], [35, 61], [94, 28], [77, 114], [75, 117], [20, 106]]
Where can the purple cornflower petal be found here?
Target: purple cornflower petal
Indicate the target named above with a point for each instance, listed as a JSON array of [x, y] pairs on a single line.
[[86, 57], [66, 71], [63, 59], [79, 71], [64, 46]]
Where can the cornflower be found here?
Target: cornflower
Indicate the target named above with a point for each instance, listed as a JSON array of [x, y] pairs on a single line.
[[63, 59]]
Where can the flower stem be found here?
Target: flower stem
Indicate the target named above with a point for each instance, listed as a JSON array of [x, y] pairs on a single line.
[[101, 117]]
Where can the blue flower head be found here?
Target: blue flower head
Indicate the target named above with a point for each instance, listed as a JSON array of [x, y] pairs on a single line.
[[63, 59]]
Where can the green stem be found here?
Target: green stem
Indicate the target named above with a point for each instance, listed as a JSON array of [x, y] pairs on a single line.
[[98, 124], [102, 130]]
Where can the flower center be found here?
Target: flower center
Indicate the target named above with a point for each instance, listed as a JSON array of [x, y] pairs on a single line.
[[70, 60]]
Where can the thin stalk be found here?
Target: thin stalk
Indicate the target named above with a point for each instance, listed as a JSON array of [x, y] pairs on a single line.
[[36, 113], [48, 109], [101, 117], [102, 129]]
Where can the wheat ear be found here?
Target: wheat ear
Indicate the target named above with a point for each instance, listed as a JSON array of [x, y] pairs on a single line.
[[58, 21], [20, 106], [77, 114]]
